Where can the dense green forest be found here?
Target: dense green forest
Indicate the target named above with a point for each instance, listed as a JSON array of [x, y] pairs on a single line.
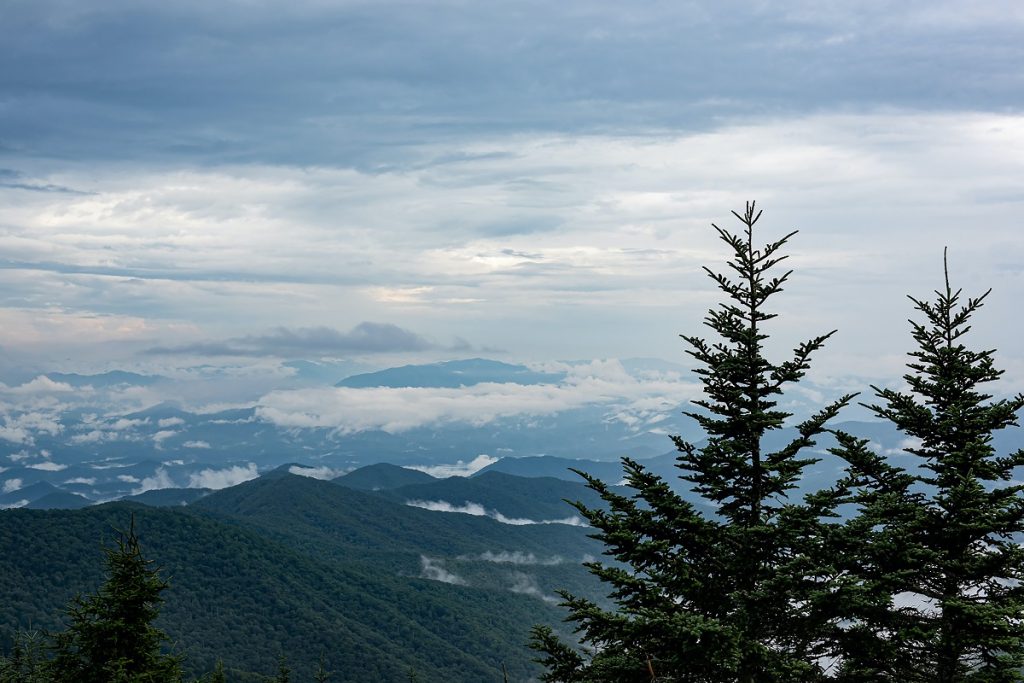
[[292, 565]]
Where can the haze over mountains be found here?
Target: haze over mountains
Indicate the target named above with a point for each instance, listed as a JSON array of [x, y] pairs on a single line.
[[69, 440], [410, 518]]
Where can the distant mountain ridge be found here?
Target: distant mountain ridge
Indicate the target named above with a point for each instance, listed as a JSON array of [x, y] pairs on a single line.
[[451, 374], [105, 379], [382, 476]]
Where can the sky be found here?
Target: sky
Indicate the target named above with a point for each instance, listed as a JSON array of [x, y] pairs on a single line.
[[186, 183]]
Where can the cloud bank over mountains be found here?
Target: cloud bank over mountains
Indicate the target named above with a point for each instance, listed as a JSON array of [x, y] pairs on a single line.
[[478, 510], [256, 180], [398, 409]]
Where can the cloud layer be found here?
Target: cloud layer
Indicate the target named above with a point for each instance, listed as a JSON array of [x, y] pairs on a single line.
[[366, 337], [601, 383], [477, 510], [260, 180]]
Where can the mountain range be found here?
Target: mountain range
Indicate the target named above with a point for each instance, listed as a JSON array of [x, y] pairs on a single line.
[[294, 565]]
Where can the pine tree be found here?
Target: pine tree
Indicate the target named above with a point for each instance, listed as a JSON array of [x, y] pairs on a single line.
[[28, 661], [217, 675], [321, 675], [932, 586], [283, 672], [722, 595], [111, 637]]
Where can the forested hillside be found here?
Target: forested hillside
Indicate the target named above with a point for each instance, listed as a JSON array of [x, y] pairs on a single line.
[[294, 566]]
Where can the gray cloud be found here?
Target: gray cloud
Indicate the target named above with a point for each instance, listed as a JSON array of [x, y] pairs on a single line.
[[501, 171], [433, 569], [17, 181], [366, 337], [43, 188], [518, 557], [352, 83], [477, 510], [526, 584]]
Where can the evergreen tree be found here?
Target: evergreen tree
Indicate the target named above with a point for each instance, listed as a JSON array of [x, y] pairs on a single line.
[[111, 637], [321, 675], [932, 589], [283, 672], [28, 661], [217, 675], [718, 592]]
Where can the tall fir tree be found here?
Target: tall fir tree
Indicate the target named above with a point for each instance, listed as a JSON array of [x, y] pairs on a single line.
[[933, 571], [110, 637], [717, 592]]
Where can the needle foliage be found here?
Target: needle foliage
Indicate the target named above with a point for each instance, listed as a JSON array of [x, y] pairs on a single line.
[[720, 590]]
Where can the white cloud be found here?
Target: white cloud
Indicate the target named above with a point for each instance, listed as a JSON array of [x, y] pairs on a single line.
[[196, 444], [160, 479], [128, 479], [517, 557], [459, 469], [42, 385], [15, 435], [434, 570], [909, 442], [125, 423], [12, 485], [120, 429], [47, 466], [88, 481], [16, 504], [915, 601], [162, 436], [38, 422], [109, 465], [525, 584], [322, 472], [400, 409], [477, 510], [222, 478], [630, 211], [474, 509], [94, 436], [170, 422]]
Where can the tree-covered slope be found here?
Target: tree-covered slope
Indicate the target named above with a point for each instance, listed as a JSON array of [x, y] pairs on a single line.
[[341, 523], [237, 595], [382, 476], [534, 498]]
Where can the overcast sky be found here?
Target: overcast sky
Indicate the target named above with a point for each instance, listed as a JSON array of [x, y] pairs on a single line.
[[185, 182]]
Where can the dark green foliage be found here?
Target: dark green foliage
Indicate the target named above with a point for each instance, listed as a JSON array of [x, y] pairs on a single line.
[[935, 566], [284, 674], [321, 675], [716, 596], [523, 497], [217, 675], [247, 588], [381, 477], [110, 636], [28, 661]]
